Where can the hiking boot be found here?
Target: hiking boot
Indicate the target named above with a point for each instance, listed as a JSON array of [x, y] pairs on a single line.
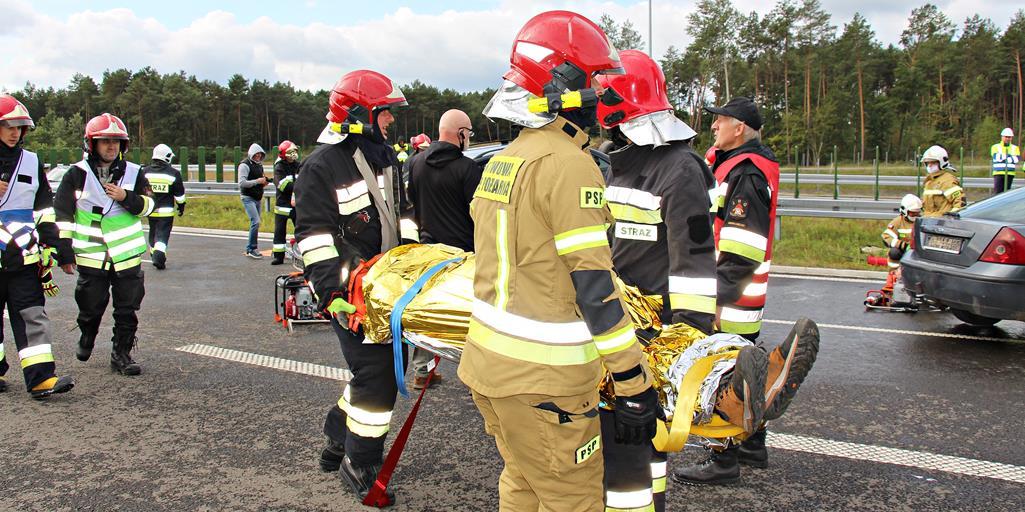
[[331, 457], [360, 479], [420, 381], [742, 401], [789, 364], [3, 384], [52, 386], [159, 260], [719, 468], [86, 342], [278, 258], [752, 451], [121, 358]]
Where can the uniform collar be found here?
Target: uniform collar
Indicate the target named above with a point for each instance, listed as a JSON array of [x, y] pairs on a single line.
[[567, 128]]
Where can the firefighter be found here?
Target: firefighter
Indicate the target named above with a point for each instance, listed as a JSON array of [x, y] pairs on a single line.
[[286, 168], [169, 194], [1005, 157], [897, 237], [546, 314], [98, 205], [347, 212], [662, 240], [747, 182], [941, 191], [28, 239]]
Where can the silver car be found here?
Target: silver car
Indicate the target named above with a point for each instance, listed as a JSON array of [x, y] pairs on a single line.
[[973, 261]]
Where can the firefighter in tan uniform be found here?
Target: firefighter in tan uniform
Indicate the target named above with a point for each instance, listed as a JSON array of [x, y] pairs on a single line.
[[547, 315], [941, 192]]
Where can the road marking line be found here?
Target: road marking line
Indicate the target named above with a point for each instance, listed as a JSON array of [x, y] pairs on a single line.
[[899, 457], [288, 365], [826, 278], [902, 331], [842, 449], [228, 237]]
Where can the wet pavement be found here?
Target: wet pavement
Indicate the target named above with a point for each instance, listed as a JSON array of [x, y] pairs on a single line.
[[202, 433]]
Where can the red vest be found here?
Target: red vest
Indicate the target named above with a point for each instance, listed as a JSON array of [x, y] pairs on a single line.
[[770, 170]]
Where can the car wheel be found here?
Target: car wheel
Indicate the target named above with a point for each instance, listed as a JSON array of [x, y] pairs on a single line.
[[972, 318]]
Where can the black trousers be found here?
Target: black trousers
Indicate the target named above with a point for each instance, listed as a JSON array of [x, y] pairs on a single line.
[[1002, 183], [281, 231], [631, 468], [22, 293], [360, 419], [160, 233], [94, 290]]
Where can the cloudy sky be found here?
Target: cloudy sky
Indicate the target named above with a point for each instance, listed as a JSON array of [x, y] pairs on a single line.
[[462, 45]]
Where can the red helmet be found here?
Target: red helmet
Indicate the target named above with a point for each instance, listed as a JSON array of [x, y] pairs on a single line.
[[284, 147], [641, 91], [710, 155], [558, 51], [13, 113], [359, 93], [105, 126], [420, 142]]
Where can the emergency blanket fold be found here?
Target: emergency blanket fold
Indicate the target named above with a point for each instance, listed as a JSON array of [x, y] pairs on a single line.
[[437, 319]]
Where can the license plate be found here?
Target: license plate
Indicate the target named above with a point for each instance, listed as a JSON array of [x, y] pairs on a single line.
[[943, 243]]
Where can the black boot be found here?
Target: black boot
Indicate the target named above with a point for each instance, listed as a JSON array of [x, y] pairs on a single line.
[[3, 384], [719, 468], [360, 479], [331, 457], [52, 387], [278, 258], [159, 260], [85, 346], [753, 452], [121, 358]]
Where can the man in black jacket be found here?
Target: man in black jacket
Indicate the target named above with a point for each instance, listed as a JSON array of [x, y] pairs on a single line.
[[169, 194], [441, 185], [347, 211]]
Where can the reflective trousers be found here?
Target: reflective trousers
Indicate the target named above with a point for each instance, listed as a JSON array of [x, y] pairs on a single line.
[[361, 419], [94, 290], [160, 233], [635, 476], [552, 449], [22, 293], [281, 230]]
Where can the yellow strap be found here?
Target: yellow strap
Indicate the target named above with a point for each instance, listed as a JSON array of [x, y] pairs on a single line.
[[673, 438]]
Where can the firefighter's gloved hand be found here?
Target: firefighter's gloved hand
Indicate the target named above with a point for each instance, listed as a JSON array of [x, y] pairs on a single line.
[[46, 259], [181, 209], [50, 287], [896, 253], [635, 417], [337, 305]]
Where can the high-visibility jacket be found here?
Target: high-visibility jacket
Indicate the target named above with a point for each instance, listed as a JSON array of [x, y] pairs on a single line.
[[168, 189], [26, 211], [897, 231], [942, 193], [1004, 158], [662, 241], [546, 312], [748, 186], [104, 233]]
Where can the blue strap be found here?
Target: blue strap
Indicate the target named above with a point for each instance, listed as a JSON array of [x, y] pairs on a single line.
[[396, 321]]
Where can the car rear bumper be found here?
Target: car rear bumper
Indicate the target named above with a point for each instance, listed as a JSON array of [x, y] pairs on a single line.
[[986, 289]]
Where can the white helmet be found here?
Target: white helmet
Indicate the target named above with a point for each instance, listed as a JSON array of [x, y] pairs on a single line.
[[910, 203], [163, 153], [937, 154], [1007, 132]]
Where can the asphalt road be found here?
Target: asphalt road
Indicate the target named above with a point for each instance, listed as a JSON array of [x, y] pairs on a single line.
[[202, 433]]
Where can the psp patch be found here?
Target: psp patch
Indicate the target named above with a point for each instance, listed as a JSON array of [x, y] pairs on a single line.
[[496, 183], [592, 197], [738, 210], [588, 449]]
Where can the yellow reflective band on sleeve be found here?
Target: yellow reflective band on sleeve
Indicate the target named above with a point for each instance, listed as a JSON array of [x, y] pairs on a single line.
[[502, 247], [630, 213], [319, 254], [538, 353], [952, 192], [580, 239], [741, 249], [147, 206], [30, 258], [932, 192], [615, 341], [282, 210], [699, 303], [658, 485]]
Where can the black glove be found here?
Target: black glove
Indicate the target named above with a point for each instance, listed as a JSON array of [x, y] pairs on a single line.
[[896, 253], [635, 417], [181, 209]]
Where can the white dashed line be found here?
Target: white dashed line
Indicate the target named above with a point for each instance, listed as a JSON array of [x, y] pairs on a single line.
[[277, 363], [827, 278], [898, 457], [930, 334]]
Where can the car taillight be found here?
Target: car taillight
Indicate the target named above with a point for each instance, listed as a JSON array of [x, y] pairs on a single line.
[[1007, 247]]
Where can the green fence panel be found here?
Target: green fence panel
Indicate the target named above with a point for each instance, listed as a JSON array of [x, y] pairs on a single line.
[[877, 173], [183, 162], [797, 175], [219, 163], [836, 176], [201, 162]]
